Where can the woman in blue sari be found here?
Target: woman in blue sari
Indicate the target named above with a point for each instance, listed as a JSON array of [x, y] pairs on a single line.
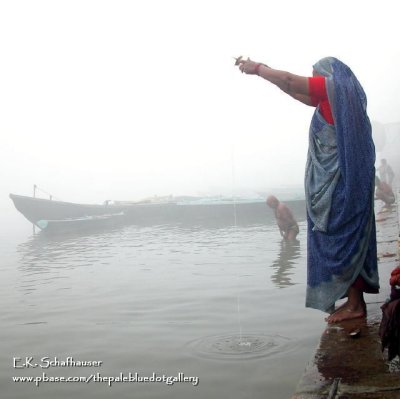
[[339, 185]]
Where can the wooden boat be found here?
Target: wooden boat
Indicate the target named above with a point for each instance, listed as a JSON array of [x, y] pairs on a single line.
[[37, 209], [182, 211]]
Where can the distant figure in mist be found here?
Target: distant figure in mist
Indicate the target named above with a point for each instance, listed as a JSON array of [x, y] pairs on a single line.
[[386, 172], [287, 224], [384, 192], [339, 184]]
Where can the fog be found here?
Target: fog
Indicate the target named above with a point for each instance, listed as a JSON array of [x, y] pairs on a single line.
[[127, 99]]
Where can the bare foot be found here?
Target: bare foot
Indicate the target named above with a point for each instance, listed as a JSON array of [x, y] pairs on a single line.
[[346, 312], [347, 305]]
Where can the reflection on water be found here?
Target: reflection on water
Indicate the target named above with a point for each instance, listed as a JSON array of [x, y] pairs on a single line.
[[143, 247], [44, 259], [46, 255], [286, 261], [43, 251]]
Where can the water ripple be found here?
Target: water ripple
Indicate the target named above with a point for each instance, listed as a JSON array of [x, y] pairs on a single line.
[[237, 346]]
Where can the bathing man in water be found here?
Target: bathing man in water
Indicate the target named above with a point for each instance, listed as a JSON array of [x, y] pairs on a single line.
[[287, 224]]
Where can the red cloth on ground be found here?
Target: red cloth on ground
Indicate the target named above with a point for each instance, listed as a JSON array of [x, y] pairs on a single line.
[[319, 96], [395, 277]]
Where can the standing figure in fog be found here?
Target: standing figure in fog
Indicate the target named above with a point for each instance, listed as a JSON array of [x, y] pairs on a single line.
[[384, 192], [287, 224], [339, 185], [386, 172]]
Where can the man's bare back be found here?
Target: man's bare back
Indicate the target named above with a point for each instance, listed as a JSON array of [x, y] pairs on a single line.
[[287, 224]]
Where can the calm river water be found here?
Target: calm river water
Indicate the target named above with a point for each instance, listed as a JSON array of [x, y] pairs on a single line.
[[215, 301]]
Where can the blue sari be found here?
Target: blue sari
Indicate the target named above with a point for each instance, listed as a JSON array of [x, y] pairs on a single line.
[[339, 185]]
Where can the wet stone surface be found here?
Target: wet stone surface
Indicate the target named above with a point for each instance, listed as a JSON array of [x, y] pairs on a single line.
[[347, 366]]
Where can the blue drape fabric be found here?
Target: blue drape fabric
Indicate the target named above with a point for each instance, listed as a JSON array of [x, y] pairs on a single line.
[[339, 186]]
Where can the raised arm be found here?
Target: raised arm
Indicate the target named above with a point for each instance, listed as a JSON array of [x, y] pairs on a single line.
[[294, 85]]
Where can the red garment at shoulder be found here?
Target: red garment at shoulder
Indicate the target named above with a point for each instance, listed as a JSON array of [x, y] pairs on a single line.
[[319, 96]]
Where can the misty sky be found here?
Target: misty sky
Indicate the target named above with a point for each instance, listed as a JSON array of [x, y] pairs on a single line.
[[127, 99]]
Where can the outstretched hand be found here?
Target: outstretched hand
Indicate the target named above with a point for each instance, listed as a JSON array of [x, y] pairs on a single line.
[[247, 66]]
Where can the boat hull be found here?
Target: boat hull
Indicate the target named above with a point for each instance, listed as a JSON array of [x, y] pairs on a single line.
[[36, 209], [88, 223]]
